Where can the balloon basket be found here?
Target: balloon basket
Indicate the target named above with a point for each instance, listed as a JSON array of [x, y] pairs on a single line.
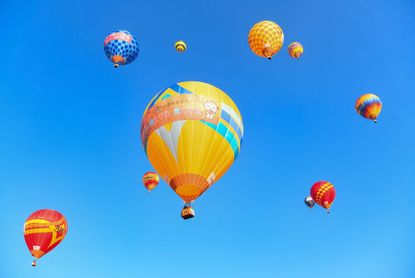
[[187, 212]]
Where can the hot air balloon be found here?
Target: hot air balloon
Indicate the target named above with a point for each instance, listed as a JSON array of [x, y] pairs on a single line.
[[43, 231], [266, 39], [295, 50], [121, 47], [369, 106], [180, 46], [309, 202], [150, 180], [323, 193], [191, 133]]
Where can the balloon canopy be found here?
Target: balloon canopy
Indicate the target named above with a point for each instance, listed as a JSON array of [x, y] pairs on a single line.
[[323, 193], [43, 231], [191, 133], [121, 47], [180, 46], [150, 180], [369, 106], [266, 39], [295, 50]]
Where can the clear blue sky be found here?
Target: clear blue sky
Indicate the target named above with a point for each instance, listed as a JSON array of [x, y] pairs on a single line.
[[70, 125]]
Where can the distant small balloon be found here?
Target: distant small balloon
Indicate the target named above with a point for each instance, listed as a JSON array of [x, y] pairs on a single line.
[[121, 47], [295, 50], [369, 106], [180, 46], [309, 202], [150, 180], [323, 193]]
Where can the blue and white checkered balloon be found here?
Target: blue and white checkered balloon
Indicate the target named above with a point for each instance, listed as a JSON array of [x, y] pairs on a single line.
[[121, 47]]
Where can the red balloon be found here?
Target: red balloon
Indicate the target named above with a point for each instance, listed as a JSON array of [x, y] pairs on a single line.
[[323, 193], [43, 231]]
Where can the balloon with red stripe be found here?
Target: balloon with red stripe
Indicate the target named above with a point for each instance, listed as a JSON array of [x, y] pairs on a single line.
[[295, 50], [369, 106], [323, 193], [150, 180], [43, 231]]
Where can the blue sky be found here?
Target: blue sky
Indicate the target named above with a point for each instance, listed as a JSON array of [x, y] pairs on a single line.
[[70, 139]]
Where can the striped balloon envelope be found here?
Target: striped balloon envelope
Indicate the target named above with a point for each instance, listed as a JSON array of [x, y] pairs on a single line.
[[323, 193], [121, 47], [150, 180], [191, 133], [43, 231], [295, 50], [369, 106], [266, 39]]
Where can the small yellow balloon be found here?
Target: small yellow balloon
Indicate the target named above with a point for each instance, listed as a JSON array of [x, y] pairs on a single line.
[[180, 46], [295, 50]]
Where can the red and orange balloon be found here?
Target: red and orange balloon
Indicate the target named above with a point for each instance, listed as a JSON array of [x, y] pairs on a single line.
[[323, 193], [150, 180], [43, 231]]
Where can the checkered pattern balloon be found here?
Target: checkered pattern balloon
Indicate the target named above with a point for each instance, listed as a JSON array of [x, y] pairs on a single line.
[[266, 39], [323, 193], [121, 47]]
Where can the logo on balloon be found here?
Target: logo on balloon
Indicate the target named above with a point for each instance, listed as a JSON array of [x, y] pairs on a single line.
[[211, 109]]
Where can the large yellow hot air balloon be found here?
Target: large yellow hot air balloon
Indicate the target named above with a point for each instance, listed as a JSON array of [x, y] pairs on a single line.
[[191, 133], [266, 39]]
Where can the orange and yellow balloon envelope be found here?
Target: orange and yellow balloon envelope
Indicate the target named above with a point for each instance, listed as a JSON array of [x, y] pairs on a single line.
[[369, 106], [191, 133], [43, 231], [150, 180], [295, 50], [266, 39]]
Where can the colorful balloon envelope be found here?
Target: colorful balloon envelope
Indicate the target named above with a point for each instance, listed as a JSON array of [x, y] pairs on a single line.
[[121, 47], [150, 180], [43, 231], [266, 39], [180, 46], [309, 202], [369, 106], [323, 193], [191, 133], [295, 50]]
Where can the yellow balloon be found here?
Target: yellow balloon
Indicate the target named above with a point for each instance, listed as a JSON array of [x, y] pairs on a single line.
[[180, 46], [191, 133], [295, 50], [266, 39]]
